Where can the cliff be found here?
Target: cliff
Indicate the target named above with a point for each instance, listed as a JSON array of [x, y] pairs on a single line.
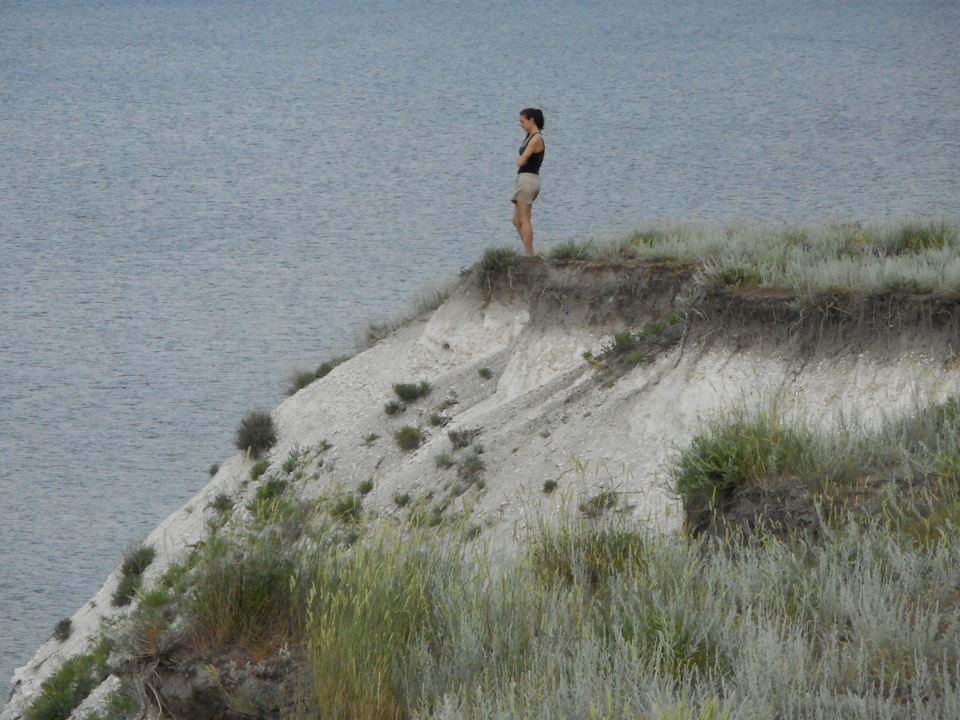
[[530, 369]]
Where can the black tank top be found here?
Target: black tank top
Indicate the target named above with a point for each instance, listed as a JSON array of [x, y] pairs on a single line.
[[533, 162]]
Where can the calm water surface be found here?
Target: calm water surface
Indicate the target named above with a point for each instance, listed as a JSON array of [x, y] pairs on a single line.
[[196, 198]]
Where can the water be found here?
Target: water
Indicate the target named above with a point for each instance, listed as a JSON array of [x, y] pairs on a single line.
[[196, 198]]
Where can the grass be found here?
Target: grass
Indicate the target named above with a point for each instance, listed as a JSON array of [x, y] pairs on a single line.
[[495, 263], [408, 437], [844, 258], [572, 250], [410, 392], [598, 618], [70, 684], [258, 469], [365, 487], [63, 629], [767, 458], [256, 434], [347, 508], [370, 439], [222, 503], [462, 438], [300, 379], [135, 562]]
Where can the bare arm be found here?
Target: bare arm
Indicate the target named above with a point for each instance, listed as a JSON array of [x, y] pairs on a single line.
[[534, 146]]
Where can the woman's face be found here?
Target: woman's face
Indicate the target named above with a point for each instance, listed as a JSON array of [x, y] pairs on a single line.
[[527, 124]]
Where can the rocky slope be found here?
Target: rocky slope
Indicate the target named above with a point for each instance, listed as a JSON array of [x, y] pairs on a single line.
[[525, 362]]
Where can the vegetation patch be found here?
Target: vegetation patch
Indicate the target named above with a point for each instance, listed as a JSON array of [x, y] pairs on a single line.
[[572, 250], [63, 629], [462, 438], [301, 378], [256, 434], [135, 563], [258, 469], [759, 471], [70, 685], [222, 503], [408, 437], [469, 474], [347, 508], [598, 504], [410, 392]]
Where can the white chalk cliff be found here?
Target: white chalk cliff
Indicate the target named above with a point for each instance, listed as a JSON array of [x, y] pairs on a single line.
[[547, 412]]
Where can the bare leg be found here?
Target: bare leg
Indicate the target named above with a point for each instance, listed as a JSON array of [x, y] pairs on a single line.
[[521, 221]]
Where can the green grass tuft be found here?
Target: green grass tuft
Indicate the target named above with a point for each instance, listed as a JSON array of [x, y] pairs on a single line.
[[135, 563], [408, 437], [410, 392]]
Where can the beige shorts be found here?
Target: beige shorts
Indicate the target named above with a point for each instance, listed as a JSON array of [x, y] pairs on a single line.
[[528, 187]]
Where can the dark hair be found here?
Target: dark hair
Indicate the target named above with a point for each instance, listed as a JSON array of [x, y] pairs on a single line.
[[534, 114]]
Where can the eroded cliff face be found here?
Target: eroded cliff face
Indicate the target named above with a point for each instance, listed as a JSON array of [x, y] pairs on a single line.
[[519, 362]]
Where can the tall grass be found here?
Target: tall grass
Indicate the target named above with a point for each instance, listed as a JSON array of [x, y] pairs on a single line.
[[850, 258], [599, 619], [915, 456]]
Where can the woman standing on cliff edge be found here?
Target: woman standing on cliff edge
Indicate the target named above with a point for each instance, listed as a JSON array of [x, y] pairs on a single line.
[[528, 174]]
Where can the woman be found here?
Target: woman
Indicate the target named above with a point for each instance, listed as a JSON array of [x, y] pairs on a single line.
[[528, 174]]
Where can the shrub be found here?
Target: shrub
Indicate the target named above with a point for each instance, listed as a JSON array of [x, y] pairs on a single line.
[[63, 629], [258, 469], [572, 250], [575, 553], [213, 469], [370, 439], [437, 420], [495, 261], [623, 342], [222, 503], [411, 391], [299, 379], [408, 437], [365, 487], [70, 685], [598, 504], [241, 593], [485, 373], [255, 433], [135, 563], [443, 461], [462, 438], [273, 487], [327, 366], [347, 508], [740, 450], [401, 499], [549, 486], [392, 408]]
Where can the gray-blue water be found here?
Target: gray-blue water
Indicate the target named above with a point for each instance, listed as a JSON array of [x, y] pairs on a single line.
[[196, 197]]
